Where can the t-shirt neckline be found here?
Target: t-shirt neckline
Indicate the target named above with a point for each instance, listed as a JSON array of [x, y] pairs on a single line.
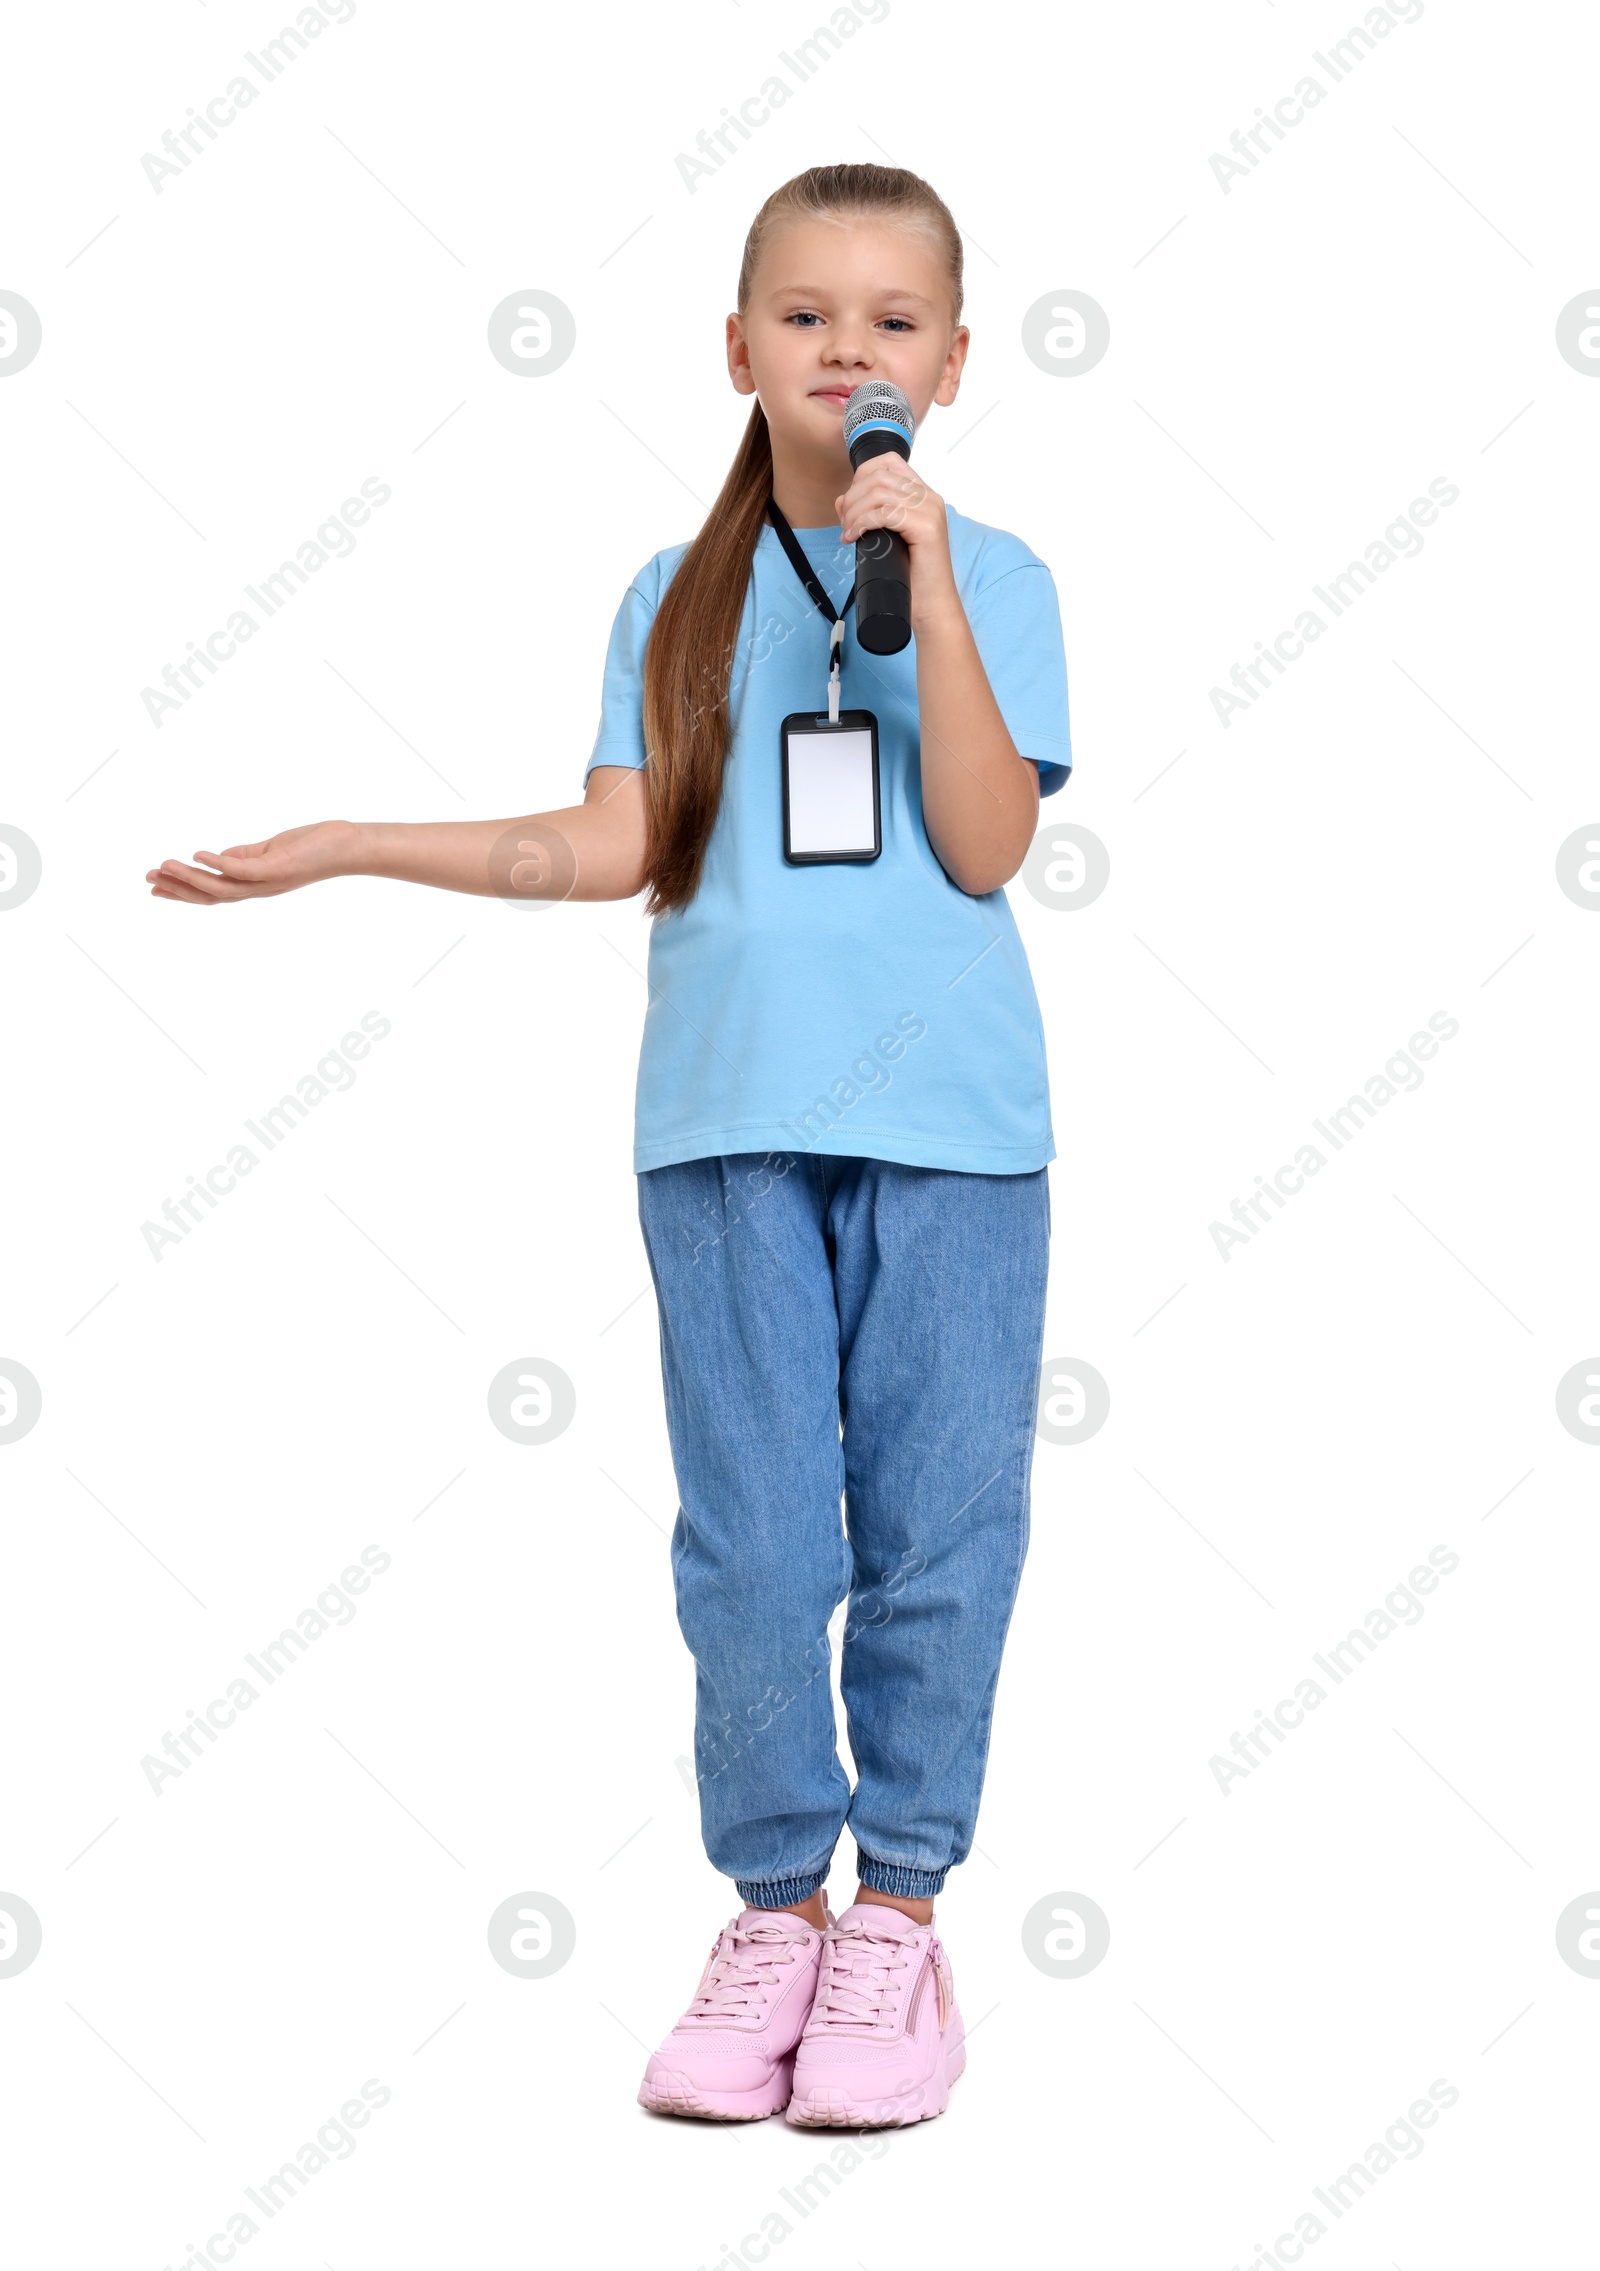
[[820, 537]]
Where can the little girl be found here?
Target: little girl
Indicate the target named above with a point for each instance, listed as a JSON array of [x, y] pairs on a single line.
[[842, 1131]]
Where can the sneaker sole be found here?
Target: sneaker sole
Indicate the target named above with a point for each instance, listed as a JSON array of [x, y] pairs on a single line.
[[671, 2092], [837, 2109]]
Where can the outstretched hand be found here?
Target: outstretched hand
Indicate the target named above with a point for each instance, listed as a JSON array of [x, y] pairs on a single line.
[[259, 871]]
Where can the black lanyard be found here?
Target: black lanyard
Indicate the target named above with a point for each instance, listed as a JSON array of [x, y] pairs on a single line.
[[833, 615]]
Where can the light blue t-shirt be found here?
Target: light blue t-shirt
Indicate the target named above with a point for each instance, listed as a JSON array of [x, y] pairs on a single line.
[[871, 1009]]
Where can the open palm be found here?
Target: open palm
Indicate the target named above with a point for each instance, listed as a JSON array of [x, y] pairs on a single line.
[[257, 871]]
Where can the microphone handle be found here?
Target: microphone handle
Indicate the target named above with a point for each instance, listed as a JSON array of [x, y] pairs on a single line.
[[883, 591]]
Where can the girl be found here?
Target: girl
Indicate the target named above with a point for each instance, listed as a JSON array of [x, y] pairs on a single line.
[[841, 1139]]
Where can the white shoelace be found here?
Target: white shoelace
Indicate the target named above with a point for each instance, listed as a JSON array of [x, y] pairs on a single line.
[[860, 1975], [742, 1971]]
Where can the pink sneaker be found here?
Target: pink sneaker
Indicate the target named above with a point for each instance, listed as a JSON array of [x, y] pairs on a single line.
[[884, 2040], [731, 2056]]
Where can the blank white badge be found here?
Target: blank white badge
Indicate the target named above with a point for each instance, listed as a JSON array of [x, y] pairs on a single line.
[[830, 792]]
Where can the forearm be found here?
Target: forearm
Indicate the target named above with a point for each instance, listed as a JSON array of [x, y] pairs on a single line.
[[593, 850], [980, 800]]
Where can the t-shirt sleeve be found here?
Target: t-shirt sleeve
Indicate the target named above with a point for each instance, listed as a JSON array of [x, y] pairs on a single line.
[[620, 740], [1016, 623]]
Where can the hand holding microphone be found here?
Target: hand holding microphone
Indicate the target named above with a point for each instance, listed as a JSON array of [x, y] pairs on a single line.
[[881, 502]]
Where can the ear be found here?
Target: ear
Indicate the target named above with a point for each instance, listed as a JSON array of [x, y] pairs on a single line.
[[739, 358], [950, 377]]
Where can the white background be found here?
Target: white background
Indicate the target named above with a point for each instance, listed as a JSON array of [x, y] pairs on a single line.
[[1372, 1376]]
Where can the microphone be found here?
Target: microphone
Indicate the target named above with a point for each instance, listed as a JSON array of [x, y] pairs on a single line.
[[878, 417]]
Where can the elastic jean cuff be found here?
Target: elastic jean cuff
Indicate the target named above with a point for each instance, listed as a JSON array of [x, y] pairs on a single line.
[[779, 1892], [905, 1884]]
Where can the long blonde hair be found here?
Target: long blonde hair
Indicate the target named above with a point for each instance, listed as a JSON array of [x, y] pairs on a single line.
[[689, 657]]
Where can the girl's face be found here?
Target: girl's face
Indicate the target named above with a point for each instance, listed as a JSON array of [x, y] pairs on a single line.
[[836, 302]]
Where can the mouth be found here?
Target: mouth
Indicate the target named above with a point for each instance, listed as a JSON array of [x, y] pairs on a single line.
[[835, 394]]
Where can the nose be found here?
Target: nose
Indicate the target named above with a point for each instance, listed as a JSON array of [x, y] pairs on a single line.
[[850, 348]]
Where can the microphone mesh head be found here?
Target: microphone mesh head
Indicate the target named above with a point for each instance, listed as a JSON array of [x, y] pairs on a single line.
[[876, 400]]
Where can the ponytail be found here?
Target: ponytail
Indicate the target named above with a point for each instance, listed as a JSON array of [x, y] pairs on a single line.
[[687, 666]]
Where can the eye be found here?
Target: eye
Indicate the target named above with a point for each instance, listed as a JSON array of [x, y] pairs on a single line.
[[805, 316], [899, 321]]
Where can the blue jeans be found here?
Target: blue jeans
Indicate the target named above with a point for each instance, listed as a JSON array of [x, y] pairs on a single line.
[[845, 1327]]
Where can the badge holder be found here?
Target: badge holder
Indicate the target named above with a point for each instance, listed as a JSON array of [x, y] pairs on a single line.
[[831, 806]]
